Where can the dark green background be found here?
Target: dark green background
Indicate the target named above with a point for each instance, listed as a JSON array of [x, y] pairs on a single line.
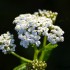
[[9, 9]]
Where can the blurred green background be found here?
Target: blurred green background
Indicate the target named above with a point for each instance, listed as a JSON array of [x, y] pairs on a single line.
[[9, 9]]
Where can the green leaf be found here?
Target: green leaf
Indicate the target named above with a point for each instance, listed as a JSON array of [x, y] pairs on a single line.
[[21, 67], [47, 50]]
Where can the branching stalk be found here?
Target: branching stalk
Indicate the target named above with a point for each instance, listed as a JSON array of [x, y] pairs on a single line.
[[36, 51], [43, 51], [20, 57]]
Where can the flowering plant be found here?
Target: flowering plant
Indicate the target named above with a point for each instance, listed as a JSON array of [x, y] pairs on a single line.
[[37, 31]]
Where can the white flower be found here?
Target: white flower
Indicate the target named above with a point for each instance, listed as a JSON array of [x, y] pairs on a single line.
[[52, 38], [18, 27], [7, 43], [38, 43], [57, 30], [61, 38], [24, 43]]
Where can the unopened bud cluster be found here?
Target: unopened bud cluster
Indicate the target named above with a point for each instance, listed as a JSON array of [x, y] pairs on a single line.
[[48, 14], [37, 65]]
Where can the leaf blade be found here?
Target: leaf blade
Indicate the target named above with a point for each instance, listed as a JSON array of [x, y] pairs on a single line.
[[21, 67]]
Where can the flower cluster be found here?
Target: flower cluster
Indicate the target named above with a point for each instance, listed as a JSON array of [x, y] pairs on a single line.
[[7, 43], [55, 35], [31, 27]]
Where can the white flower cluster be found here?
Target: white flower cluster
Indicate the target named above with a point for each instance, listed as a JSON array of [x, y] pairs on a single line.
[[31, 27], [6, 43], [55, 34]]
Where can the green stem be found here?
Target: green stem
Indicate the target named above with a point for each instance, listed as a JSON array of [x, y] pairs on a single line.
[[22, 58], [36, 54], [43, 51], [36, 51], [42, 56], [44, 41]]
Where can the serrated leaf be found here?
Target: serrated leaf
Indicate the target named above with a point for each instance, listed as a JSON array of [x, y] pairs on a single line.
[[48, 48], [21, 67]]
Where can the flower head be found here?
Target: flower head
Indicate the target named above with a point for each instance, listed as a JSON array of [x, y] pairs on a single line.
[[30, 28], [7, 43], [55, 35]]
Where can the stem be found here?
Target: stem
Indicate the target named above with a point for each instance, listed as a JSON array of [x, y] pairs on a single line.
[[22, 58], [42, 56], [44, 41], [36, 53], [43, 51]]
